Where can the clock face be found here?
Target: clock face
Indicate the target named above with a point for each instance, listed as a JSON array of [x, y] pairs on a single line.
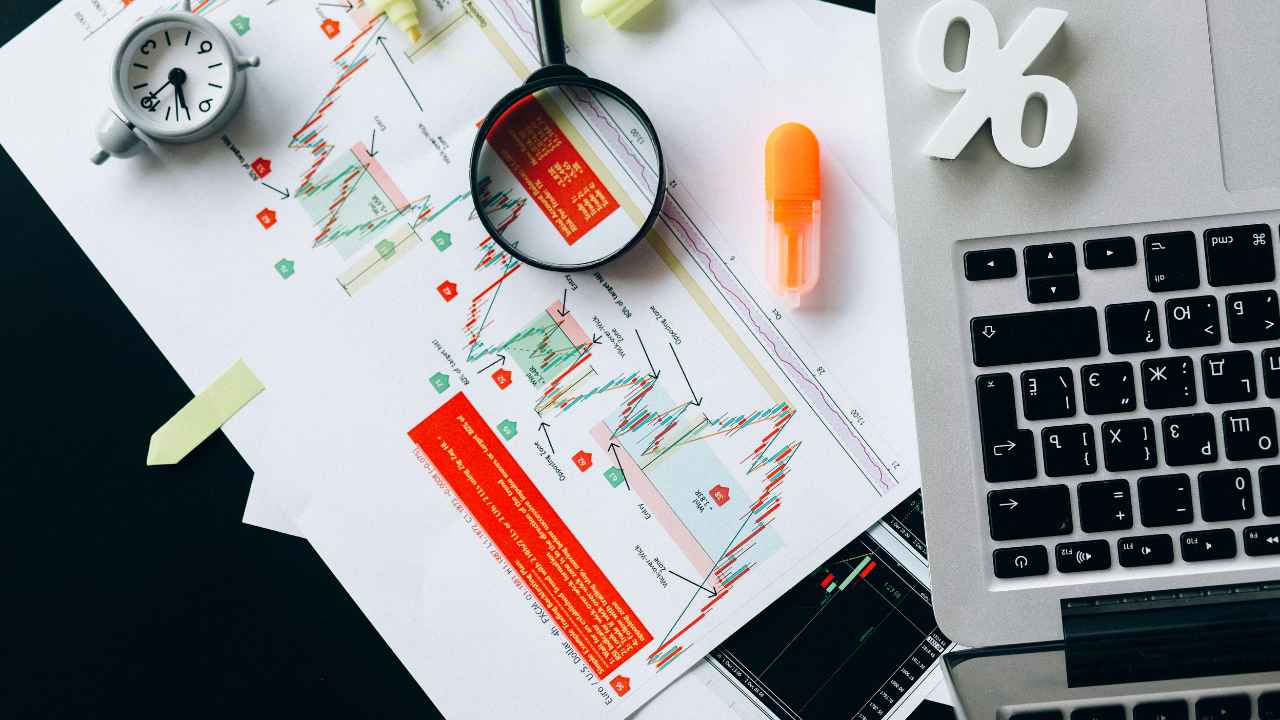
[[176, 78]]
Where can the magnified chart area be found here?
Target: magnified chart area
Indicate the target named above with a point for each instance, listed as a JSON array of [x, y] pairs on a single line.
[[850, 641]]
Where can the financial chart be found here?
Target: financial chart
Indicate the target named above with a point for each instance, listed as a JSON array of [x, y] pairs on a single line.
[[907, 520], [849, 641]]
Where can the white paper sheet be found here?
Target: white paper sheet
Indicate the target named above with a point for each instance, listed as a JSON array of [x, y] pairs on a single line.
[[348, 369]]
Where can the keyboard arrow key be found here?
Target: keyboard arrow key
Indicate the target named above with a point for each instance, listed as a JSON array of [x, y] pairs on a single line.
[[1262, 540]]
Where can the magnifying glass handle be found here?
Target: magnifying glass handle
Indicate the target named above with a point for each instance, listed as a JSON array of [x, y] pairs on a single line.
[[546, 16]]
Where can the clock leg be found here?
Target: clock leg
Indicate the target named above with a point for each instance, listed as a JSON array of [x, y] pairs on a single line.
[[115, 139]]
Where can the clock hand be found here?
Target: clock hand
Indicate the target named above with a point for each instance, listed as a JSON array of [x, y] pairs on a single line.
[[178, 77], [152, 95], [182, 100], [157, 90]]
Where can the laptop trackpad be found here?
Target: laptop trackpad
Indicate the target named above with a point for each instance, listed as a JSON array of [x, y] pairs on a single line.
[[1245, 37]]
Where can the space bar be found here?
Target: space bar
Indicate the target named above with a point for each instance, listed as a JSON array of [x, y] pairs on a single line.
[[1042, 336]]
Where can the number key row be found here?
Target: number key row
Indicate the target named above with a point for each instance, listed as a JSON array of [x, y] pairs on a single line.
[[1108, 505]]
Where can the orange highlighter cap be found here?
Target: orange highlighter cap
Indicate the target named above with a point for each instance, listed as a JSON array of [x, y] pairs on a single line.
[[793, 190]]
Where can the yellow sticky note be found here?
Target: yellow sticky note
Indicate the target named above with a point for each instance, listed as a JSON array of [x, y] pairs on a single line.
[[206, 412]]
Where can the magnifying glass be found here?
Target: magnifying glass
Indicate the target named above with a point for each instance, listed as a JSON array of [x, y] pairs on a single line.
[[566, 170]]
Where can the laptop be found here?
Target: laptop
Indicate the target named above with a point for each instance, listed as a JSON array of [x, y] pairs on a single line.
[[1095, 347]]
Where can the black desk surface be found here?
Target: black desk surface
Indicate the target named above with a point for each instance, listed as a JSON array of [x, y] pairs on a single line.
[[130, 591]]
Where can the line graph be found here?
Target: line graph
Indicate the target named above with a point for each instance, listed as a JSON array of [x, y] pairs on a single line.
[[720, 526], [350, 60]]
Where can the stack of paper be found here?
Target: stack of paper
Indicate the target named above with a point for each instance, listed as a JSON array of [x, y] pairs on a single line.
[[544, 490]]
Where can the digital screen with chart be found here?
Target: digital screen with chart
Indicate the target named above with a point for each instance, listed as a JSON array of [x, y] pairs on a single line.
[[849, 641]]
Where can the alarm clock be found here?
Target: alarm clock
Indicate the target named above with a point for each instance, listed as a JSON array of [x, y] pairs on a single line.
[[176, 78]]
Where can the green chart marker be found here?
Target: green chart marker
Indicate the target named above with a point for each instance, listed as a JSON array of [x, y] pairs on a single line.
[[507, 429], [439, 381], [442, 240]]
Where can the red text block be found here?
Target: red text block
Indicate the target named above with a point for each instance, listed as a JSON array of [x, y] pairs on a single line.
[[551, 170], [531, 536]]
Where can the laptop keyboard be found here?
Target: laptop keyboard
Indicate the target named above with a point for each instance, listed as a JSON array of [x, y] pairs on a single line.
[[1133, 433], [1232, 706]]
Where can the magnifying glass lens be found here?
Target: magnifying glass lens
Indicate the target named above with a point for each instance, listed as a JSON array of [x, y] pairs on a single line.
[[572, 176]]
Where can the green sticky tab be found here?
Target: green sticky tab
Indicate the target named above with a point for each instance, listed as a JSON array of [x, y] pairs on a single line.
[[206, 412]]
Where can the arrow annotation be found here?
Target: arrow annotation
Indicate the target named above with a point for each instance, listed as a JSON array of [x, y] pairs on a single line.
[[652, 372], [696, 400], [712, 592], [284, 194], [543, 427], [613, 448], [382, 40]]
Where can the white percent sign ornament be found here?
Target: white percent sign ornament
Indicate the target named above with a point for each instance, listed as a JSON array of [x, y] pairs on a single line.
[[994, 85]]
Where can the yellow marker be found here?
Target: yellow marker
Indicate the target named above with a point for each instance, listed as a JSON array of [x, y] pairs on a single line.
[[616, 12], [793, 189], [401, 12], [206, 412]]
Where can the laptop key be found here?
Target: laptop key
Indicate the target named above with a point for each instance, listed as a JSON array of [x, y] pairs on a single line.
[[1171, 261], [1269, 706], [1037, 715], [1269, 490], [1016, 562], [990, 264], [1132, 327], [1239, 255], [1203, 545], [1068, 450], [1226, 495], [1023, 513], [1189, 439], [1161, 710], [1145, 550], [1168, 383], [1048, 394], [1108, 388], [1260, 540], [1053, 288], [1105, 505], [1083, 556], [1100, 712], [1050, 259], [1165, 500], [1008, 453], [1271, 372], [1110, 253], [1253, 316], [1129, 445], [1039, 336], [1249, 434], [1192, 322], [1224, 707], [1228, 377]]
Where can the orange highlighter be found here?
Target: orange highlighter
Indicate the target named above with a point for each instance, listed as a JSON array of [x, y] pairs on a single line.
[[793, 190]]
